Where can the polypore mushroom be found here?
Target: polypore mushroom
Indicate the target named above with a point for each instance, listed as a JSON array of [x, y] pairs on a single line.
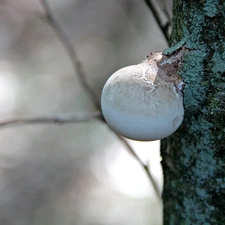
[[145, 102]]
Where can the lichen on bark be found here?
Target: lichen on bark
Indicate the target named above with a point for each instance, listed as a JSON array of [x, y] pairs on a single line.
[[193, 159]]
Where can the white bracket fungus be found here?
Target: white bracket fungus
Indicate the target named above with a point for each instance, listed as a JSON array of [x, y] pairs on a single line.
[[145, 102]]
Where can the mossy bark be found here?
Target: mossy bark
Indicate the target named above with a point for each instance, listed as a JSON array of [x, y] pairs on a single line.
[[193, 159]]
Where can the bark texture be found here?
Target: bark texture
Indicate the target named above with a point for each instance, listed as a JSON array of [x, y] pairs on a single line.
[[193, 159]]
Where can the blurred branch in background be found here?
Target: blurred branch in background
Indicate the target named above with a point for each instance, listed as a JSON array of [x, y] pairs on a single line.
[[71, 51], [80, 73], [56, 119], [164, 27], [145, 166], [55, 169], [74, 118]]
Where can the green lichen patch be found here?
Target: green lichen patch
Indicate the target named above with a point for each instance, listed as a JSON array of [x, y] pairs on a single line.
[[210, 7]]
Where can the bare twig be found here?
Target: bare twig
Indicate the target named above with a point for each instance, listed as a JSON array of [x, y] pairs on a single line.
[[163, 28], [81, 75], [55, 119], [70, 50], [145, 167], [165, 11]]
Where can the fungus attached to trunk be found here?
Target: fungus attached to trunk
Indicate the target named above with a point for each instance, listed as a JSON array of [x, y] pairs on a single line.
[[145, 102]]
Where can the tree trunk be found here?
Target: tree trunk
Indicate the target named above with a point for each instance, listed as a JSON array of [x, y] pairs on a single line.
[[194, 157]]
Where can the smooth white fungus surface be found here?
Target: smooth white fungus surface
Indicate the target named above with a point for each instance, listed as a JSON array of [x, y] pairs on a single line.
[[139, 104]]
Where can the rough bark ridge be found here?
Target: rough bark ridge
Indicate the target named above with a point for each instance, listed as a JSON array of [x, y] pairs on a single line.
[[194, 157]]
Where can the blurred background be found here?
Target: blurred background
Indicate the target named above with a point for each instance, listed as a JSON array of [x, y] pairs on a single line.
[[80, 173]]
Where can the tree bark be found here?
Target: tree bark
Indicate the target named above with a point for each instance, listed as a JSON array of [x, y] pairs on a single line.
[[193, 159]]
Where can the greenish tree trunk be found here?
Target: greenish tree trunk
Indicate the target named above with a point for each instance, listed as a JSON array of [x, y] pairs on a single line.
[[194, 157]]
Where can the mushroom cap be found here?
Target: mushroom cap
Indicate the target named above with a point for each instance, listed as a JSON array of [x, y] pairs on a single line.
[[141, 104]]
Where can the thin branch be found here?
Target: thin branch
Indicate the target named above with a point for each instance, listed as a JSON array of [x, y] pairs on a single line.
[[163, 28], [162, 6], [55, 119], [145, 167], [75, 118], [81, 75], [70, 50]]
